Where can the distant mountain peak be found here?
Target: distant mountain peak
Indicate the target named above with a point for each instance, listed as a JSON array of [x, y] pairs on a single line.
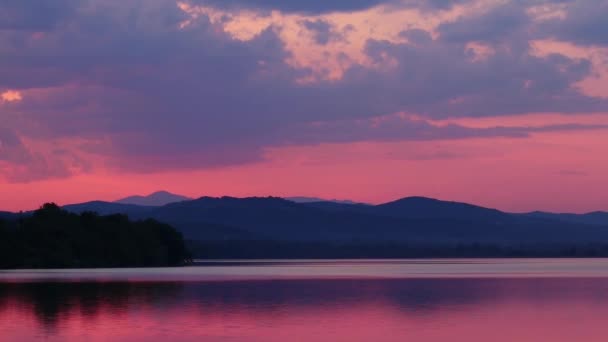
[[158, 198], [161, 192], [417, 199]]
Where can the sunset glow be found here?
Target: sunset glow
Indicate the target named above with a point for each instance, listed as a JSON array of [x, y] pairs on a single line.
[[11, 96], [496, 103]]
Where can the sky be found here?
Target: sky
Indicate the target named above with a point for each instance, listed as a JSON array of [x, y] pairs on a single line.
[[501, 103]]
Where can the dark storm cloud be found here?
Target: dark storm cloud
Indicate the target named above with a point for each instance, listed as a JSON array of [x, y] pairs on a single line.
[[440, 80], [496, 25], [35, 15], [585, 23], [156, 96]]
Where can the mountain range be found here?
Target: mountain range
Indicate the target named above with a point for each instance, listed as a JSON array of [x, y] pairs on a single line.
[[412, 221], [161, 198]]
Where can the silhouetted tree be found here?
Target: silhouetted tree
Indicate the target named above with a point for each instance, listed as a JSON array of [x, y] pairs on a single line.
[[54, 238]]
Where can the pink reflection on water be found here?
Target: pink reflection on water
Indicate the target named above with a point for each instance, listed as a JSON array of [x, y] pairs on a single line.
[[308, 310]]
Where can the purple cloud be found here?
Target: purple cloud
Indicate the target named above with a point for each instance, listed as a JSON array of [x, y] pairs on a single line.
[[584, 23], [35, 15], [498, 25], [323, 31], [158, 96], [326, 6], [19, 163]]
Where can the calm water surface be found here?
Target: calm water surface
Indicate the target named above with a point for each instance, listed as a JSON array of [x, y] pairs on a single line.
[[391, 300]]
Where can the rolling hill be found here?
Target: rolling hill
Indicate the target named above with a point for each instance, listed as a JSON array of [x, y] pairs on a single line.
[[413, 220], [248, 227]]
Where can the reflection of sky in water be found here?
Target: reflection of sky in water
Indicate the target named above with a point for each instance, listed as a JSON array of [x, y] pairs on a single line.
[[353, 309], [323, 269]]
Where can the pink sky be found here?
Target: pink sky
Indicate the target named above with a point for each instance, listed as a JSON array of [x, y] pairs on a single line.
[[499, 104], [548, 171]]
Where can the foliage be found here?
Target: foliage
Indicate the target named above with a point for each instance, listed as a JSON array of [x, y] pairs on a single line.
[[54, 238], [266, 249]]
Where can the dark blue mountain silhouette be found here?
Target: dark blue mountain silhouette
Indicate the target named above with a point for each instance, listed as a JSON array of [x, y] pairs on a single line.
[[158, 198], [422, 207], [412, 221], [597, 218], [108, 208], [337, 206], [302, 199]]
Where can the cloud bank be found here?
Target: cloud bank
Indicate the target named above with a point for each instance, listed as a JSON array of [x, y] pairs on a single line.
[[156, 85]]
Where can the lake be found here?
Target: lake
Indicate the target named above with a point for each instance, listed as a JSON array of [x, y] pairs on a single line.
[[312, 300]]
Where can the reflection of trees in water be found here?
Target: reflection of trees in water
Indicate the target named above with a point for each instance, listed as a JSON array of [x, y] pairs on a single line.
[[51, 303]]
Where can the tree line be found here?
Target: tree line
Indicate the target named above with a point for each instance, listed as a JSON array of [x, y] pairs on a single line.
[[260, 249], [54, 238]]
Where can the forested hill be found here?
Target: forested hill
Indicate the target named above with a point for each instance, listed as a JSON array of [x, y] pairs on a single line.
[[277, 228], [54, 238], [273, 227], [413, 220]]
